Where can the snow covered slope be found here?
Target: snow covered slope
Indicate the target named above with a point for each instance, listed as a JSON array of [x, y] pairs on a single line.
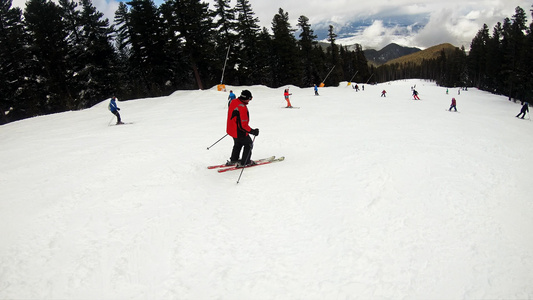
[[378, 198]]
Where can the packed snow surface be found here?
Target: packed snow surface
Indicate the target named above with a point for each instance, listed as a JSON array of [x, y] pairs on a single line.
[[378, 198]]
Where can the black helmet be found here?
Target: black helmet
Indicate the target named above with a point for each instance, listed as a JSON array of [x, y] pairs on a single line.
[[245, 95]]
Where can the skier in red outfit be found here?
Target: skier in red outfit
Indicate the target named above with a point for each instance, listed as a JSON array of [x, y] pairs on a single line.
[[286, 95], [453, 105], [238, 128]]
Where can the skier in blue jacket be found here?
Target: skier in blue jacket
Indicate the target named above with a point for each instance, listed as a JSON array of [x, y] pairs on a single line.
[[114, 109], [231, 97]]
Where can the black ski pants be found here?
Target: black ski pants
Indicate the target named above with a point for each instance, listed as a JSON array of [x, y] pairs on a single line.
[[240, 143], [115, 112]]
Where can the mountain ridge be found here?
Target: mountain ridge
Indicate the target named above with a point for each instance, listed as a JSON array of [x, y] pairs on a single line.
[[429, 53], [388, 53]]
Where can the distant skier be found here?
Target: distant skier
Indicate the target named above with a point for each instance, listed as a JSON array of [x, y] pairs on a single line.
[[316, 90], [238, 128], [415, 95], [231, 97], [453, 105], [286, 95], [114, 109], [524, 110], [384, 93]]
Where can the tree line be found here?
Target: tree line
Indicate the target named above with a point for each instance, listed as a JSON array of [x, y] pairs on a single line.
[[66, 56], [499, 62]]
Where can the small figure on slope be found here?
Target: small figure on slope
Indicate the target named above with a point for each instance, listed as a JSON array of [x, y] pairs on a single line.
[[415, 95], [286, 95], [316, 90], [523, 111], [453, 105], [114, 109], [231, 97], [384, 93], [238, 128]]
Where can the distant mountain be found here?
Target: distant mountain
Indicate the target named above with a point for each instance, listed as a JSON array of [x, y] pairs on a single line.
[[429, 53], [388, 53]]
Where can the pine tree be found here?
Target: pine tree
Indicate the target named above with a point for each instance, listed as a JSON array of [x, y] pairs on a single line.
[[226, 37], [478, 57], [263, 72], [528, 57], [361, 64], [335, 63], [515, 41], [13, 59], [247, 49], [493, 68], [195, 26], [97, 76], [178, 66], [122, 30], [48, 45], [306, 43], [286, 60]]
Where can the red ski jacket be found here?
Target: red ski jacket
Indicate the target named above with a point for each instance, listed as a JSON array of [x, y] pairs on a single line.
[[238, 118]]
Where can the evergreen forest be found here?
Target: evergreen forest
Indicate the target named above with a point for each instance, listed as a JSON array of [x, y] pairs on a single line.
[[62, 56]]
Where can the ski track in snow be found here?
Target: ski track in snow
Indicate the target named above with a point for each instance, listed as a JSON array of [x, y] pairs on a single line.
[[378, 198]]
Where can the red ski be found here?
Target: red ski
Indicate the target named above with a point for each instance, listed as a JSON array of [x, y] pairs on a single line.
[[224, 165], [258, 163]]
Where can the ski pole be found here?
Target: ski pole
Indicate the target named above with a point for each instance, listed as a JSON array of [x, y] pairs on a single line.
[[250, 154], [109, 124], [217, 141]]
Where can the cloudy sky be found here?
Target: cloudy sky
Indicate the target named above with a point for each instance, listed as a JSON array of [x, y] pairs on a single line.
[[375, 24]]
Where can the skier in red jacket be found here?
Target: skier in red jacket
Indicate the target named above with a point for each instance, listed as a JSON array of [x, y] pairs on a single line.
[[453, 105], [286, 94], [238, 128]]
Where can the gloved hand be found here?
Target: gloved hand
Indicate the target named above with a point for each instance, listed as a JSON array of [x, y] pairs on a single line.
[[118, 108], [255, 131]]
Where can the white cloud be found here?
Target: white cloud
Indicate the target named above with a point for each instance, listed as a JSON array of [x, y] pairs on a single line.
[[377, 36], [106, 7], [451, 21]]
